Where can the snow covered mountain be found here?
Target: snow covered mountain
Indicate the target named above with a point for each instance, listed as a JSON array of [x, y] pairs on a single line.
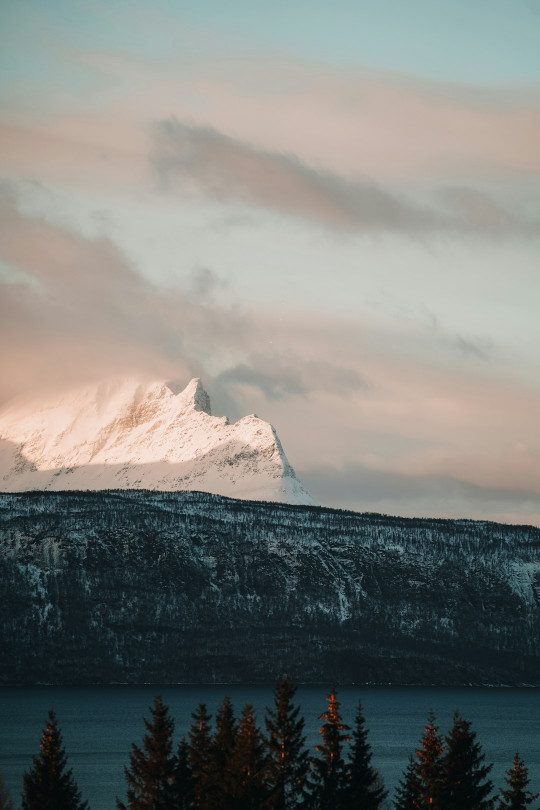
[[126, 434]]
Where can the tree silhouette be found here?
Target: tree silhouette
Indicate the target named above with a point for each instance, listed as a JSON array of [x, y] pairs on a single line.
[[223, 748], [288, 759], [150, 775], [200, 759], [408, 790], [421, 786], [429, 765], [465, 783], [516, 796], [364, 787], [182, 783], [48, 785], [330, 770], [250, 765]]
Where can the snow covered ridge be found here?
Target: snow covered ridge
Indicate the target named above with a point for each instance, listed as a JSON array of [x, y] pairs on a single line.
[[125, 434], [129, 586]]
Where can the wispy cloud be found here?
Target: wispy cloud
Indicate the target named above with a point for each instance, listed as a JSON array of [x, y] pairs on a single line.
[[476, 210], [73, 308], [278, 376], [355, 486], [389, 363], [228, 169]]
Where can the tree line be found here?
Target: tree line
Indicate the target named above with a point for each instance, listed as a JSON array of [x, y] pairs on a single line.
[[235, 766]]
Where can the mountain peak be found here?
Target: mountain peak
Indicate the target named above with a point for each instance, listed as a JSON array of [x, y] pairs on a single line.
[[194, 397], [133, 434]]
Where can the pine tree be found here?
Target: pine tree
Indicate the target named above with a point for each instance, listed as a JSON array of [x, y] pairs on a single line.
[[48, 785], [330, 770], [516, 796], [288, 759], [408, 791], [223, 748], [421, 785], [182, 783], [429, 766], [200, 759], [249, 768], [151, 773], [464, 783], [364, 788]]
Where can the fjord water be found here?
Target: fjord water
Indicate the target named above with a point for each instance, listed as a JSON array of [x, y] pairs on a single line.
[[99, 724]]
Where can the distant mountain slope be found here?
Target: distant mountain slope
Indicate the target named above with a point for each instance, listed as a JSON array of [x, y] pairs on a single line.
[[160, 587], [129, 435]]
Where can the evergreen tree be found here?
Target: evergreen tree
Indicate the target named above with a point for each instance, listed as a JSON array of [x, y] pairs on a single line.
[[223, 755], [182, 783], [465, 784], [250, 789], [330, 770], [288, 759], [150, 775], [421, 786], [408, 791], [516, 797], [48, 785], [364, 788], [201, 760], [429, 766]]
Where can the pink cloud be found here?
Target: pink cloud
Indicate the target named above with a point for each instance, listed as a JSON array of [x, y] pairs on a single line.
[[424, 412], [77, 310], [379, 125], [396, 403], [389, 129], [87, 152]]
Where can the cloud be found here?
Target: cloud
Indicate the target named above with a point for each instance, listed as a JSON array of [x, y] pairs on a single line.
[[355, 122], [74, 308], [355, 486], [228, 169], [484, 214], [387, 403], [277, 376], [473, 348], [88, 151]]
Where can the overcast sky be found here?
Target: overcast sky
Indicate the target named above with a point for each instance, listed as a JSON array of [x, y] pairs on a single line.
[[328, 211]]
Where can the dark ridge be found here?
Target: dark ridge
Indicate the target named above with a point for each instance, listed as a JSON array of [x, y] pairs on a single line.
[[161, 587]]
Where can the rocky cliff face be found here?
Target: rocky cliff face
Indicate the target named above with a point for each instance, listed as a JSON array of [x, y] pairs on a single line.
[[130, 435], [136, 587]]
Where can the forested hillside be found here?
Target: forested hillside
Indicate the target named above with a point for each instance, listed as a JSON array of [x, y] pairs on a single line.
[[137, 586]]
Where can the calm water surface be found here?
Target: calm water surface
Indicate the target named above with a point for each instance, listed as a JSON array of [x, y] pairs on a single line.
[[99, 724]]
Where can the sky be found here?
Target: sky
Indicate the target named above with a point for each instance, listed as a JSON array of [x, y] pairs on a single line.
[[330, 212]]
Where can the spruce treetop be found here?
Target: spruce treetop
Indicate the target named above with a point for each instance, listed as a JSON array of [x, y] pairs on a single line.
[[48, 785], [150, 775], [333, 730], [288, 758], [408, 790], [250, 764], [465, 779], [516, 796], [364, 786], [329, 769], [201, 759], [422, 783]]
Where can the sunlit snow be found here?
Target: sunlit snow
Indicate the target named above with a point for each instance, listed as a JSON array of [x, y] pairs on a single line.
[[132, 435]]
